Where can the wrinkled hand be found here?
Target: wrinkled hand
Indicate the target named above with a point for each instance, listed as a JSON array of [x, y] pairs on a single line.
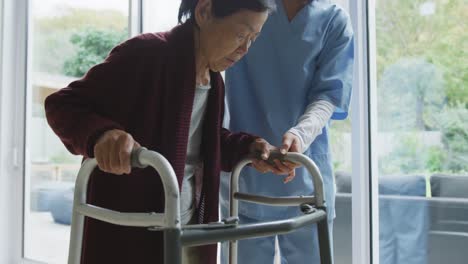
[[291, 143], [113, 150], [261, 149]]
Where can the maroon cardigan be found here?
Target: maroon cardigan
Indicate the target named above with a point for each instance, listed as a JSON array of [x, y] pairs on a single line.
[[146, 87]]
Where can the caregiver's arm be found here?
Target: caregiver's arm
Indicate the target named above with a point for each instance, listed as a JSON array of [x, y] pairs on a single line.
[[330, 89], [331, 86], [309, 126]]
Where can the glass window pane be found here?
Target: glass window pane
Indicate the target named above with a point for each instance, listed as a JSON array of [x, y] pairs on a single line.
[[66, 39], [159, 15], [422, 140], [340, 139]]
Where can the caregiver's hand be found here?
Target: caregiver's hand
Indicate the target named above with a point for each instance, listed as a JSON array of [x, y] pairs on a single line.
[[112, 151], [291, 143], [260, 149]]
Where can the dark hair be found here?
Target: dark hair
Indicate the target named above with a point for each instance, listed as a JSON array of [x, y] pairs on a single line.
[[223, 8]]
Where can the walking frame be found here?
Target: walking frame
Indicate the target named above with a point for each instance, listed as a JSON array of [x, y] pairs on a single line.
[[177, 236]]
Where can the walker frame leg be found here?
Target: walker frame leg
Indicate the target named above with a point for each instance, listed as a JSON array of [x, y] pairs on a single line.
[[172, 246]]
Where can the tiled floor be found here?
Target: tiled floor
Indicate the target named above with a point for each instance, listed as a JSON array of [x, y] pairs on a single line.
[[47, 241]]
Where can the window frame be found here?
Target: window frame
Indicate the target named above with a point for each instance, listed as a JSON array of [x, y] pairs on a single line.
[[365, 202], [12, 126]]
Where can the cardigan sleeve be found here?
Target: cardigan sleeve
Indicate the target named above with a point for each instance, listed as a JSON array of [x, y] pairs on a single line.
[[234, 147], [98, 102]]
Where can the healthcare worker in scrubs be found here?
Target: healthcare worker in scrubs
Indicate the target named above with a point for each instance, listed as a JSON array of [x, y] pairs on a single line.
[[296, 77]]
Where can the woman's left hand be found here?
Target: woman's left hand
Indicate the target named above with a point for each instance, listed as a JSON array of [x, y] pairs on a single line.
[[260, 149]]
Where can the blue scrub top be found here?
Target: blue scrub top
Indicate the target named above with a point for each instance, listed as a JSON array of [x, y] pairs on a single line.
[[290, 65]]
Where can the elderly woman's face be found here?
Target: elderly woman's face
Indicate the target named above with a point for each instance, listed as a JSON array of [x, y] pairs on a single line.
[[224, 41]]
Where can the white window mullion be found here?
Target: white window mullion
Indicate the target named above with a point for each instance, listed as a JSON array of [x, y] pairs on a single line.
[[373, 124], [364, 195], [4, 191], [135, 21], [12, 114]]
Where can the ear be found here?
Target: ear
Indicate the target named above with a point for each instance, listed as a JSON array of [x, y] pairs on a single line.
[[203, 12]]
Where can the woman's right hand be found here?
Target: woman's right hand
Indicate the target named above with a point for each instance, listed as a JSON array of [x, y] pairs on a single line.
[[113, 150]]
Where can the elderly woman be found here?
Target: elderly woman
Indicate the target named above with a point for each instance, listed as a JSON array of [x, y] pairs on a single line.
[[162, 91]]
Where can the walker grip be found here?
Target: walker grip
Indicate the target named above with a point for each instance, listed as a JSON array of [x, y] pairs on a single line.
[[134, 159]]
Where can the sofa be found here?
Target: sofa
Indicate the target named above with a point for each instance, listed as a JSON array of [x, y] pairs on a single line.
[[54, 197], [414, 229]]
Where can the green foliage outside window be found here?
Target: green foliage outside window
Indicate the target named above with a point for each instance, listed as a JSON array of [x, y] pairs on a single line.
[[422, 84], [404, 31], [454, 128], [422, 79], [93, 47], [54, 37]]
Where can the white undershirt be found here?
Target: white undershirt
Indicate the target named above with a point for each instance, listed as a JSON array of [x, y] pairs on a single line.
[[312, 122], [193, 159]]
